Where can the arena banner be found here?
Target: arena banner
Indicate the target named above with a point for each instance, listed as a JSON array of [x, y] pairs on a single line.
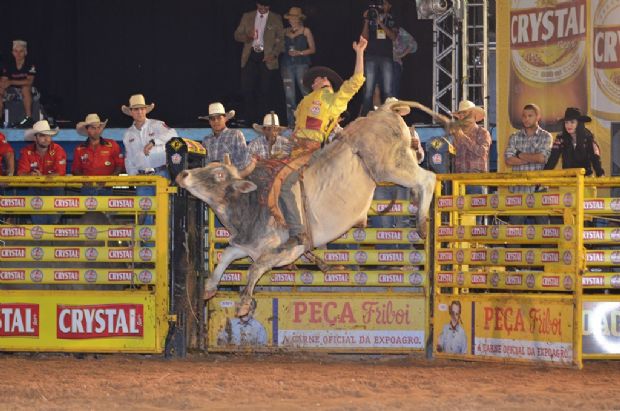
[[559, 54], [67, 204], [601, 326], [504, 327], [370, 322], [78, 321]]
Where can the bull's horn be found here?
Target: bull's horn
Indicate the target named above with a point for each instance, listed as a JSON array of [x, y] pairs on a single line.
[[414, 104], [227, 159]]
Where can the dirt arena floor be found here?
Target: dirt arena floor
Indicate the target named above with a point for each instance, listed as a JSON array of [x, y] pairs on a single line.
[[295, 382]]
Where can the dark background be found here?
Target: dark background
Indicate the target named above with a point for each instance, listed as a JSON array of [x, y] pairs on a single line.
[[91, 55]]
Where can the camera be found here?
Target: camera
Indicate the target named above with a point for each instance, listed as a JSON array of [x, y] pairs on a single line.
[[375, 7]]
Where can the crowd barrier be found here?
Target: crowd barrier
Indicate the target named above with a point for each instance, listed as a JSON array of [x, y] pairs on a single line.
[[374, 298], [97, 281]]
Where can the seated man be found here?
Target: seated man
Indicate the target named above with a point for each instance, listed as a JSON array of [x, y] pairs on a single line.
[[269, 143], [16, 80], [317, 115]]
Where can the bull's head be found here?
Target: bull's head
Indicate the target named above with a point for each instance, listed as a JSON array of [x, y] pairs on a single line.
[[211, 183]]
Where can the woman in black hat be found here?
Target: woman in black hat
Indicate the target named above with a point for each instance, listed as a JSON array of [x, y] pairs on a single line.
[[576, 145]]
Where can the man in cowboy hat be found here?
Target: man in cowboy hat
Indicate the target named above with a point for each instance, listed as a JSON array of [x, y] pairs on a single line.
[[42, 158], [316, 116], [269, 143], [224, 140], [472, 142], [262, 33], [97, 156], [576, 145]]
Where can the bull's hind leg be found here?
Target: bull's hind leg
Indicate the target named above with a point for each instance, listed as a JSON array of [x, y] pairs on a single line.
[[229, 255], [420, 181], [263, 264]]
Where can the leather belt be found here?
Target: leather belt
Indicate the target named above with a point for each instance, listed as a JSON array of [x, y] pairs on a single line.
[[150, 171]]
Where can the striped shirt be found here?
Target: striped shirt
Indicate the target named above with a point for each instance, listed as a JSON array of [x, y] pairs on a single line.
[[231, 142], [259, 147], [538, 143], [472, 153]]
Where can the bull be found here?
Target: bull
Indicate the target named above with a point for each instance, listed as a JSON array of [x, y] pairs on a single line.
[[338, 188]]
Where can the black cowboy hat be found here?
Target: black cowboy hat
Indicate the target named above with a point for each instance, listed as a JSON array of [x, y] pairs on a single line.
[[321, 71], [573, 113]]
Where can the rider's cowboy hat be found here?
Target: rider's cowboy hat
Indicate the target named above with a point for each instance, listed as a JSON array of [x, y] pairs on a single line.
[[217, 109], [270, 120], [573, 113], [40, 127], [321, 71], [91, 119], [137, 101], [467, 108]]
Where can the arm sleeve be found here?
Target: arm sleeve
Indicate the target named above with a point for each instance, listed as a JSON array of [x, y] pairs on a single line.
[[163, 133], [240, 31], [61, 162], [554, 156], [482, 144], [76, 167], [347, 91], [117, 155], [279, 42], [511, 149], [596, 160], [23, 165], [545, 146], [130, 166]]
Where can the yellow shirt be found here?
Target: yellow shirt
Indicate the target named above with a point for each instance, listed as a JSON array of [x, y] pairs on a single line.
[[317, 114]]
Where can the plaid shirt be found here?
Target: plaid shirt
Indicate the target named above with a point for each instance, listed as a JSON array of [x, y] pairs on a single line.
[[472, 153], [259, 147], [539, 143], [231, 142]]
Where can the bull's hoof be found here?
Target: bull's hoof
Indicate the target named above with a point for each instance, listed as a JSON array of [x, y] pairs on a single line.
[[208, 294]]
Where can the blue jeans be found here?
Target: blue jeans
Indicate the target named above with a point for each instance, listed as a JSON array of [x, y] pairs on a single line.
[[96, 191], [377, 70], [147, 191], [292, 76], [42, 219]]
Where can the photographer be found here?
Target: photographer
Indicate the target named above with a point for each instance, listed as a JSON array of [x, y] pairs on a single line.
[[380, 30]]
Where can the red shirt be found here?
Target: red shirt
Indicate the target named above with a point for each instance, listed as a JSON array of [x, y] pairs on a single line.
[[54, 161], [5, 148], [101, 161]]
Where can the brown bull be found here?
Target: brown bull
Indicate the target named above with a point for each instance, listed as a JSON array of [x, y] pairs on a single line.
[[339, 187]]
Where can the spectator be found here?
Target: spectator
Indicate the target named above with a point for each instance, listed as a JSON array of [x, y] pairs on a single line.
[[269, 143], [17, 81], [472, 143], [145, 144], [315, 119], [224, 140], [380, 30], [576, 145], [7, 157], [528, 150], [97, 156], [42, 158], [298, 46], [262, 34]]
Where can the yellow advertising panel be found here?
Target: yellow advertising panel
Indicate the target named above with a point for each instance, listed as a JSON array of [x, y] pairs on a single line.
[[559, 54], [601, 326], [328, 322], [523, 328], [78, 232], [100, 321], [68, 204]]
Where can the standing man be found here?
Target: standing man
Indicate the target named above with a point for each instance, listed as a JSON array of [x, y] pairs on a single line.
[[380, 30], [224, 140], [262, 34], [316, 116], [269, 143], [528, 150], [145, 144], [42, 158], [97, 156]]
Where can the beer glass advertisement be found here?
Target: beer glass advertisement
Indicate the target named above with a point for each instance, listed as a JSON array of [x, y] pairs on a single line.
[[505, 328], [558, 54], [339, 322], [601, 327]]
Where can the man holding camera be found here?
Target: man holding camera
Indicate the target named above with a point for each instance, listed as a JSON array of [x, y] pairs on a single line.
[[380, 30]]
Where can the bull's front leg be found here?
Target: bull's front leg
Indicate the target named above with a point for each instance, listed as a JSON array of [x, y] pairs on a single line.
[[229, 255]]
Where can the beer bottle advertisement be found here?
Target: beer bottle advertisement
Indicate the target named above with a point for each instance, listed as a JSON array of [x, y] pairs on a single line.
[[606, 59], [547, 58]]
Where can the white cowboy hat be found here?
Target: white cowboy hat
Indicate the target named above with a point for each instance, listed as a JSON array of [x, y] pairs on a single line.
[[89, 121], [40, 127], [137, 101], [270, 120], [218, 109], [466, 107]]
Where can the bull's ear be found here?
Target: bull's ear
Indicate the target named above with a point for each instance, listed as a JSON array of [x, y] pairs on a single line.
[[244, 186]]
